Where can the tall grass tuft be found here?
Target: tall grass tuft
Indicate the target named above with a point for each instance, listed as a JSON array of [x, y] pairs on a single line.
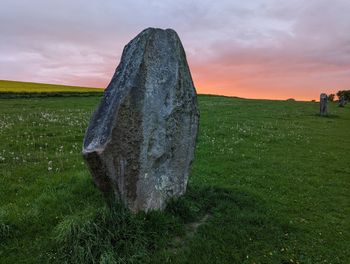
[[107, 235], [5, 228]]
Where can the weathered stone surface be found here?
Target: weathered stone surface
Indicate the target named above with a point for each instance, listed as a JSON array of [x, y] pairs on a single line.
[[323, 104], [140, 142]]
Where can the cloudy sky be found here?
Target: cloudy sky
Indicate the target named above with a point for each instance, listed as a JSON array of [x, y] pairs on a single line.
[[255, 49]]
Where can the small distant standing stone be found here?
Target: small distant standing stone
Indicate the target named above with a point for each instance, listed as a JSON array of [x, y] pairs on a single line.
[[323, 104], [342, 101], [140, 142]]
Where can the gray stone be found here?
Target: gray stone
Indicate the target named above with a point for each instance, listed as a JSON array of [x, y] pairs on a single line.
[[323, 104], [342, 101], [141, 140]]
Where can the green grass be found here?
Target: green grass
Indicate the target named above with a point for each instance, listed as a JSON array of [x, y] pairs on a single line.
[[270, 184], [29, 87], [15, 89]]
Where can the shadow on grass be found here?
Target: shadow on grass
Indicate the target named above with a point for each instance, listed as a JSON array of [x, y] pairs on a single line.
[[6, 229], [331, 116], [235, 223]]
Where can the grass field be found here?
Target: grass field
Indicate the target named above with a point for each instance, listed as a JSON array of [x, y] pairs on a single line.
[[270, 184], [27, 87], [14, 89]]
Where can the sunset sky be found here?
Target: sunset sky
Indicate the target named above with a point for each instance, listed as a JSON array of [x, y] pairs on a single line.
[[273, 49]]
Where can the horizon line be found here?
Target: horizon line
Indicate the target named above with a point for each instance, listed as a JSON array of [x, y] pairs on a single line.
[[212, 94]]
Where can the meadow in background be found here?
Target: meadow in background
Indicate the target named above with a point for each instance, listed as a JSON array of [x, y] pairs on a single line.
[[270, 184]]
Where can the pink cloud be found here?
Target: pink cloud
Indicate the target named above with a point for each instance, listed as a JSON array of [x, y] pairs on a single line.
[[256, 49]]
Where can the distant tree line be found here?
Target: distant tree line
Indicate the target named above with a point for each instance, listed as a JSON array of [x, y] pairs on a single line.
[[345, 93], [331, 97]]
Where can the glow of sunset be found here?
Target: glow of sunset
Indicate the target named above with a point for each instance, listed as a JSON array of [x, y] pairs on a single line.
[[254, 49]]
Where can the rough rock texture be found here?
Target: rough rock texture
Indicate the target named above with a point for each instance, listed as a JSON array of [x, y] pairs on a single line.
[[140, 142], [323, 104]]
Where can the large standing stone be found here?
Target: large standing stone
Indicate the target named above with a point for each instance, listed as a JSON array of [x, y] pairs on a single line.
[[140, 142], [342, 101], [323, 104]]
